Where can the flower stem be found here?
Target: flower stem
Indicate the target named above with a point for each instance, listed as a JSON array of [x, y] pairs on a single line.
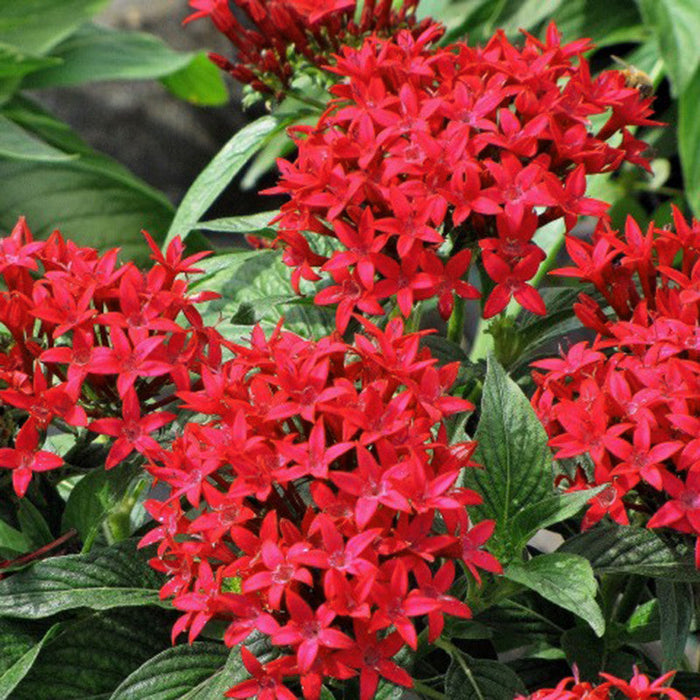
[[427, 691], [455, 326]]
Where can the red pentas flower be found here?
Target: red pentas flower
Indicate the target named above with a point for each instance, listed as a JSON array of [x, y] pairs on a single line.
[[639, 687], [630, 399], [279, 37], [429, 153], [317, 479], [94, 344]]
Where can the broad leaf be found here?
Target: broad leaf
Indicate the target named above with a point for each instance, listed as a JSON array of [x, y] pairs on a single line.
[[252, 223], [12, 676], [33, 524], [15, 63], [481, 679], [676, 611], [112, 577], [36, 26], [585, 649], [97, 53], [212, 181], [91, 657], [512, 447], [689, 141], [12, 540], [612, 548], [18, 144], [94, 496], [173, 672], [600, 20], [92, 199], [676, 25], [199, 82], [549, 511], [566, 580]]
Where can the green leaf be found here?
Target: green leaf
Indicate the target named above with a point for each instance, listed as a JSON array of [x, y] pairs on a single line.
[[96, 53], [92, 656], [612, 548], [597, 19], [173, 672], [212, 181], [12, 676], [36, 26], [643, 625], [199, 82], [15, 63], [12, 540], [251, 223], [549, 511], [108, 578], [566, 580], [512, 447], [92, 499], [481, 679], [19, 144], [676, 25], [584, 649], [689, 141], [527, 14], [92, 199], [676, 615], [33, 525]]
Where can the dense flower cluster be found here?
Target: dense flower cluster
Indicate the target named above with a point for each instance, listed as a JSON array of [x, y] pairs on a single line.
[[283, 32], [427, 151], [640, 687], [312, 495], [635, 410], [88, 337]]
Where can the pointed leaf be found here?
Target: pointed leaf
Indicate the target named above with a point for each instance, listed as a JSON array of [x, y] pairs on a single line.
[[481, 679], [512, 447], [12, 540], [212, 181], [199, 82], [18, 144], [566, 580], [252, 223], [676, 610], [689, 141]]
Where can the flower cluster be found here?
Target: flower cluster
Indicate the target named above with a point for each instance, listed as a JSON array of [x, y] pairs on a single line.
[[313, 492], [426, 151], [635, 410], [640, 687], [88, 336], [285, 32]]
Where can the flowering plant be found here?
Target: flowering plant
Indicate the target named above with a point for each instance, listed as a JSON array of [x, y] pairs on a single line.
[[276, 472]]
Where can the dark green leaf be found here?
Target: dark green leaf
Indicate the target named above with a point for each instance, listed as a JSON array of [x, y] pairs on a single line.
[[12, 540], [212, 181], [97, 53], [481, 679], [112, 577], [676, 25], [689, 141], [676, 613], [36, 26], [11, 677], [566, 580], [550, 510], [687, 683], [93, 655], [619, 549], [643, 625], [584, 649], [199, 82], [92, 199], [513, 451], [94, 496], [597, 19], [174, 672], [33, 525]]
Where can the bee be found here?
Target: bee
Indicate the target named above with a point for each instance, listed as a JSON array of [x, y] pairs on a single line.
[[635, 78]]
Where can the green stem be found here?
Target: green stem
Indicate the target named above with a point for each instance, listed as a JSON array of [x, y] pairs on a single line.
[[455, 326], [427, 691], [458, 656]]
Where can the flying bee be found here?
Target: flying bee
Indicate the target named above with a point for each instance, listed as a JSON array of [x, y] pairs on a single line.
[[635, 78]]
